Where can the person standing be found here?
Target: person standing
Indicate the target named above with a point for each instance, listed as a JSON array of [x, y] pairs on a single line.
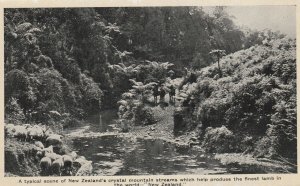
[[155, 93], [172, 94]]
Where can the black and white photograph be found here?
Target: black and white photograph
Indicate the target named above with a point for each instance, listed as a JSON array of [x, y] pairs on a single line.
[[150, 90]]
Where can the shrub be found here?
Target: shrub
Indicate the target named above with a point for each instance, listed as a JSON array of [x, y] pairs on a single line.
[[17, 85], [92, 94], [70, 121], [219, 140], [143, 115], [266, 146], [13, 111]]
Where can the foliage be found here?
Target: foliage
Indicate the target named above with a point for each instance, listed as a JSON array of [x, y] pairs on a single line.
[[218, 53]]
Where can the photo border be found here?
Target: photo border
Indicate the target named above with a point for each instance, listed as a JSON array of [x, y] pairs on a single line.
[[286, 179]]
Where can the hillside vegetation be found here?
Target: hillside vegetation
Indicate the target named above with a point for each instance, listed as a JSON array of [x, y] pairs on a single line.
[[252, 107]]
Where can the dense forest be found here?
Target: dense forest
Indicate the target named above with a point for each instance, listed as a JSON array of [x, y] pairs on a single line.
[[236, 86], [73, 49]]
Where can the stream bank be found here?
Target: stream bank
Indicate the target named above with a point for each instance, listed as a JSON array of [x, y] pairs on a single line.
[[153, 149]]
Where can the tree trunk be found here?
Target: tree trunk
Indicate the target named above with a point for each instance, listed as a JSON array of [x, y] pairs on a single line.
[[220, 72]]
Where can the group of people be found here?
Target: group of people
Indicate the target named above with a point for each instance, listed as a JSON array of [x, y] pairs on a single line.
[[161, 91]]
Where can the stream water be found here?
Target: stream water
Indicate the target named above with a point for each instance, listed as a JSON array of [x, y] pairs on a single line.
[[117, 155]]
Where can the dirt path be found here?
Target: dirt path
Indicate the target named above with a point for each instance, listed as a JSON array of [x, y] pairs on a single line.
[[163, 128]]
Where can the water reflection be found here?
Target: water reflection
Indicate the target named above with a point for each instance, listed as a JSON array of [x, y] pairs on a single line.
[[104, 121]]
